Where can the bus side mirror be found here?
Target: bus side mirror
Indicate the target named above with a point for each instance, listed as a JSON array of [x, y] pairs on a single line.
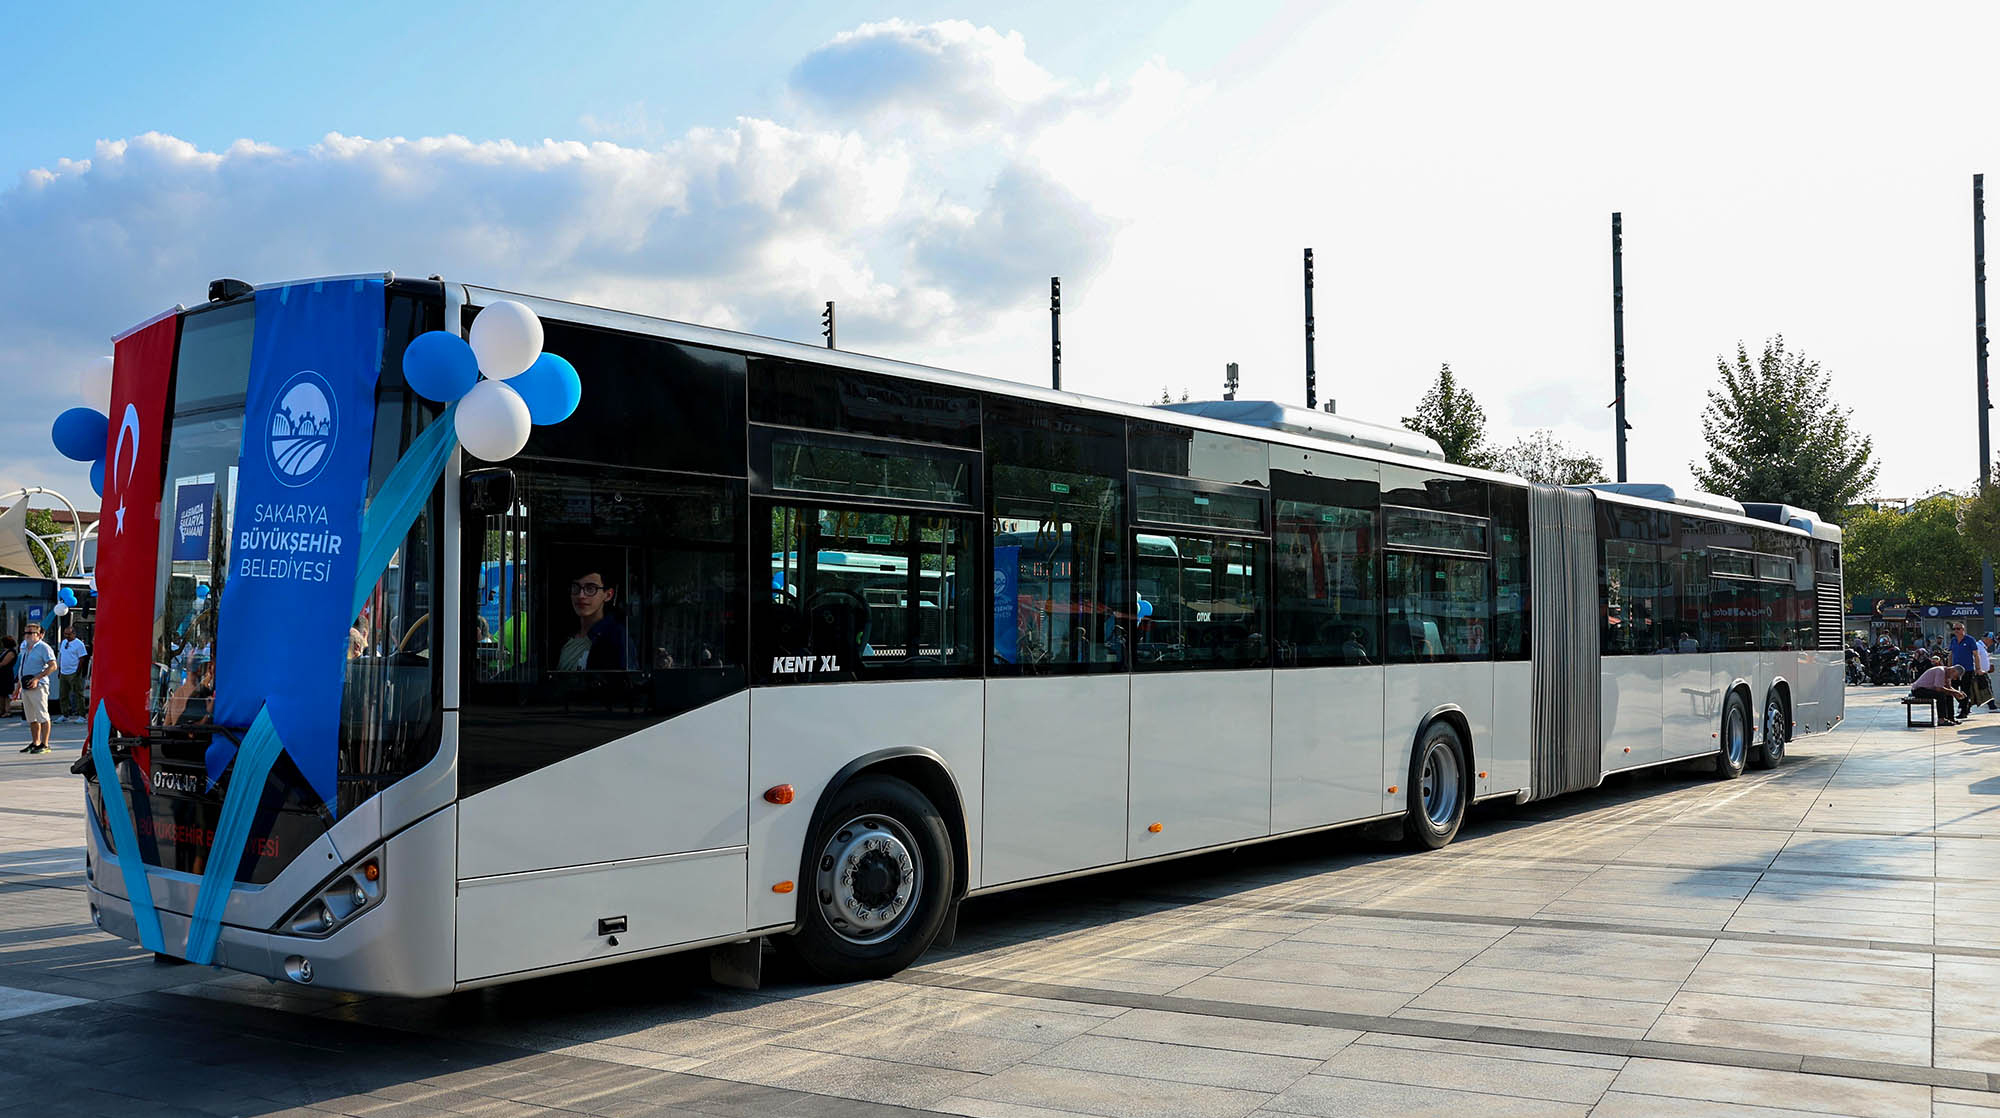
[[487, 492]]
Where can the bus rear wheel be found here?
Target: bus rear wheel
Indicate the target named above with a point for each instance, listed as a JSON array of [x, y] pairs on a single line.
[[1777, 733], [1438, 788], [878, 882], [1733, 748]]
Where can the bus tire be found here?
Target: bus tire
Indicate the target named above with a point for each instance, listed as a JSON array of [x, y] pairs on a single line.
[[1733, 743], [1777, 734], [879, 879], [1439, 789]]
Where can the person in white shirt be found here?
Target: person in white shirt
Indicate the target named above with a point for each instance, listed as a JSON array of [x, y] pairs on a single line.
[[69, 659], [1983, 649], [1936, 684]]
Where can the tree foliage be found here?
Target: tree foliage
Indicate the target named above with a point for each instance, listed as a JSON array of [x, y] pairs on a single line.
[[1773, 434], [1544, 458], [1451, 417], [42, 522], [1919, 552]]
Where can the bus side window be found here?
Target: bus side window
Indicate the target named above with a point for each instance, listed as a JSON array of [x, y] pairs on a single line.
[[1056, 503]]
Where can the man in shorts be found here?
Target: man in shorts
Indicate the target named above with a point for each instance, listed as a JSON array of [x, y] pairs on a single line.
[[38, 663]]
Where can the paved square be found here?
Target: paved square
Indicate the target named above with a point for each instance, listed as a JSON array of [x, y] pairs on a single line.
[[1822, 940]]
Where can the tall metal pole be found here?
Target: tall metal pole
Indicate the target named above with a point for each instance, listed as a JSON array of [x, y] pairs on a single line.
[[1229, 381], [1618, 334], [828, 328], [1055, 333], [1312, 389], [1985, 399]]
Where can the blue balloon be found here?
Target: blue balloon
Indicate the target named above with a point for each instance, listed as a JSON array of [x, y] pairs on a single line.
[[201, 591], [97, 477], [1145, 609], [80, 433], [551, 389], [66, 596], [439, 366]]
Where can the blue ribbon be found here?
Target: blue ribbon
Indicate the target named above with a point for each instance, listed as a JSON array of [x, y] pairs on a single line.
[[138, 888], [384, 524]]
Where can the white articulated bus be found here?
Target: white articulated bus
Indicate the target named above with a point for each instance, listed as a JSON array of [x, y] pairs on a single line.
[[774, 642]]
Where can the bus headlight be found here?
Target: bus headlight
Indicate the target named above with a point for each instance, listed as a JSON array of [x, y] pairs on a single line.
[[353, 892]]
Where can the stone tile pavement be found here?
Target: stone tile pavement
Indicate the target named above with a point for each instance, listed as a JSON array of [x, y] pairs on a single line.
[[1822, 940]]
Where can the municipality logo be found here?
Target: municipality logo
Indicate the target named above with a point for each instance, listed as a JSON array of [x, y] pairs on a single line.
[[302, 428]]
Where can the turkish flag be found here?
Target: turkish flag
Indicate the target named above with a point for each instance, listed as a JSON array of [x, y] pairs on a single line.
[[128, 535]]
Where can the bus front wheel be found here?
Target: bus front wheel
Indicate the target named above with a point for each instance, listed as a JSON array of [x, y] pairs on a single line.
[[878, 883], [1438, 788]]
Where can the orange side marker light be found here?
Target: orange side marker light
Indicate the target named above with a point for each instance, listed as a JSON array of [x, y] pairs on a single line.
[[1157, 828], [782, 887], [780, 793], [1392, 789]]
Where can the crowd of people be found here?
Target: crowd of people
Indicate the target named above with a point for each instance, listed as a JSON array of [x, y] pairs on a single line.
[[47, 680], [1958, 676]]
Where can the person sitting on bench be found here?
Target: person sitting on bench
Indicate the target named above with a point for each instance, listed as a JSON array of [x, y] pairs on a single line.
[[1936, 684]]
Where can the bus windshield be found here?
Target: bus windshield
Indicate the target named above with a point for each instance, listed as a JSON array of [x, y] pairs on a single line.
[[389, 705]]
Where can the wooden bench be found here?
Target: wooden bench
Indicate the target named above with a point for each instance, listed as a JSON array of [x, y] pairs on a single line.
[[1910, 705]]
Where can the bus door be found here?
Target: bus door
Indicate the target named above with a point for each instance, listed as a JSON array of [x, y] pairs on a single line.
[[604, 727]]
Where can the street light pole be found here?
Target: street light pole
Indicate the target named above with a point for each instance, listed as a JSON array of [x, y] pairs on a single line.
[[1985, 399], [1618, 335]]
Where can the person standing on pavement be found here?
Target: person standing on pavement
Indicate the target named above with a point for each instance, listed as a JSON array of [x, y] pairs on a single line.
[[38, 663], [69, 662], [1966, 660]]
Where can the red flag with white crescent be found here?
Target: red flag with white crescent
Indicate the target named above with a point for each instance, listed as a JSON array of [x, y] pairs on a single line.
[[128, 538]]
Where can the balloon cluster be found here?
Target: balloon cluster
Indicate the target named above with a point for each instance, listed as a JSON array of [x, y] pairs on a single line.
[[80, 433], [501, 380], [65, 601]]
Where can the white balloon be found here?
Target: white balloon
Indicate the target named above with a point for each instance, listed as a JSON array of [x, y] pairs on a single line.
[[493, 421], [94, 385], [59, 609], [506, 337]]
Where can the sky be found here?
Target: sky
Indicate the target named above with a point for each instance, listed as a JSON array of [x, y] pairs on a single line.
[[1801, 170]]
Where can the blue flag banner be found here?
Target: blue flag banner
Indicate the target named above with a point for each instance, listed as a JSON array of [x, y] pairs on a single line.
[[309, 421], [193, 503]]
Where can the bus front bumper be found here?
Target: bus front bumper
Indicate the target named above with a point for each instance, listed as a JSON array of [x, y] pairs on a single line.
[[403, 946]]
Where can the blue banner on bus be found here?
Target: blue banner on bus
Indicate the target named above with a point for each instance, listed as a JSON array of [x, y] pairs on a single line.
[[1006, 604], [309, 422], [193, 503]]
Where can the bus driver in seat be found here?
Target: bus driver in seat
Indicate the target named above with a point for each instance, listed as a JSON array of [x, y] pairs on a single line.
[[598, 644]]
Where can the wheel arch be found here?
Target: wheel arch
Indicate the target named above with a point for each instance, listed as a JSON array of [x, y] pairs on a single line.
[[1455, 716], [1782, 688], [923, 769]]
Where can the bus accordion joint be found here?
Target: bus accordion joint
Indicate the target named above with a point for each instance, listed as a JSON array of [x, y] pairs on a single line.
[[1157, 828], [780, 793], [782, 887]]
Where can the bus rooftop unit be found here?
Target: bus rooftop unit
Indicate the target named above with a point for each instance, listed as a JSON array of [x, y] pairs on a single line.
[[771, 641]]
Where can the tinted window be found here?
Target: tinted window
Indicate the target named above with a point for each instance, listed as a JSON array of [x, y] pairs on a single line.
[[810, 463], [1325, 602], [1427, 489], [1164, 448], [1425, 528], [1163, 502], [213, 367], [854, 594], [1512, 578], [794, 394], [607, 601], [646, 402], [1636, 585], [1055, 485], [1199, 602], [1438, 606]]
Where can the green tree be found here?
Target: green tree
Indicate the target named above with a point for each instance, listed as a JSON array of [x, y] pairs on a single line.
[[1451, 417], [1544, 458], [1919, 551], [1774, 435], [42, 522]]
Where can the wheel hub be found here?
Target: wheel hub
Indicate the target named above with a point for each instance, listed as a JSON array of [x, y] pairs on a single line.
[[869, 875], [1439, 784]]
